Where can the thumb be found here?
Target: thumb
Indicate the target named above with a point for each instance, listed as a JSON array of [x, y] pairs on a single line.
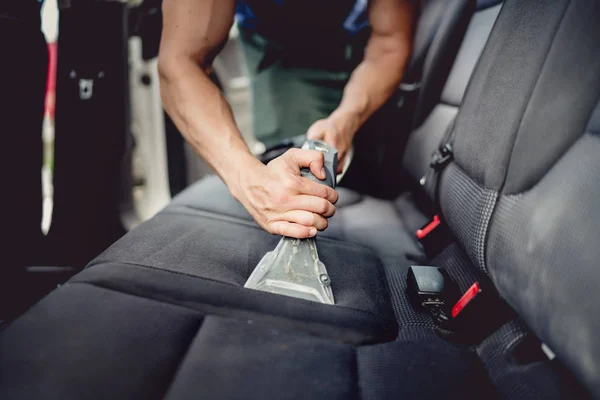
[[311, 159], [316, 131]]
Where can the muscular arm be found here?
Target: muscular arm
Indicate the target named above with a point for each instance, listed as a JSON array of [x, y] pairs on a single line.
[[376, 77], [379, 74], [277, 197], [194, 32]]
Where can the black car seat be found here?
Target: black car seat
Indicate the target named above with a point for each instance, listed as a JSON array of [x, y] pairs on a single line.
[[519, 197]]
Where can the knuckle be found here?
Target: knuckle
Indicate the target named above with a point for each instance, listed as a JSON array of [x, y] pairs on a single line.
[[323, 207], [324, 192], [271, 227], [293, 152], [310, 219], [335, 196]]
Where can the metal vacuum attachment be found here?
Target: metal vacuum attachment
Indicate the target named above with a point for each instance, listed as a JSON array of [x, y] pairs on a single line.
[[293, 268]]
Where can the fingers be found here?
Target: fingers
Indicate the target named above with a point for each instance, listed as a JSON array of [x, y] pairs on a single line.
[[298, 224], [341, 161], [289, 229], [312, 159], [305, 218], [312, 204], [316, 131], [313, 188]]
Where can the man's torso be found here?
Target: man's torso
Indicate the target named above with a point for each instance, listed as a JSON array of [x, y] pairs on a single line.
[[301, 22]]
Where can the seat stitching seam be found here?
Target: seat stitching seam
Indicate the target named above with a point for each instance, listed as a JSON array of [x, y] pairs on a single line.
[[111, 289], [264, 294], [183, 358], [208, 214]]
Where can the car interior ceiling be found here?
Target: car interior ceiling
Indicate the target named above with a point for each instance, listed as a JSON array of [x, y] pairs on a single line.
[[496, 143]]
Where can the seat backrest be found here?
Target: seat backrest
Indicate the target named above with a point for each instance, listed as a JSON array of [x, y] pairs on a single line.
[[438, 105], [521, 195], [440, 28], [437, 19]]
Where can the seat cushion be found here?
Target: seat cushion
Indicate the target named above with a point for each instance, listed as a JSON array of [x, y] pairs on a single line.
[[186, 256], [385, 227], [85, 342], [119, 346]]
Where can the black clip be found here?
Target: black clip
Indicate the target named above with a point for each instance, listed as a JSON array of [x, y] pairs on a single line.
[[432, 289], [441, 157]]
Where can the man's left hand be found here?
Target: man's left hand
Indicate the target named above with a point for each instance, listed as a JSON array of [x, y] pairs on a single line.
[[329, 131]]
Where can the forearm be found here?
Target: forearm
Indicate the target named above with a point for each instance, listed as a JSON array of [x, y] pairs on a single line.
[[371, 84], [379, 74], [205, 119]]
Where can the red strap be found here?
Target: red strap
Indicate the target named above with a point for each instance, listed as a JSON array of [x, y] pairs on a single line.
[[465, 299], [427, 229]]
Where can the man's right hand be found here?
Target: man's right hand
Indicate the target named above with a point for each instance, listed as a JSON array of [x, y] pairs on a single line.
[[281, 201]]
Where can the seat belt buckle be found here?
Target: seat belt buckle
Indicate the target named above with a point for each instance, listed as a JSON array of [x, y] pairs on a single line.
[[441, 157], [432, 289], [467, 317], [433, 236]]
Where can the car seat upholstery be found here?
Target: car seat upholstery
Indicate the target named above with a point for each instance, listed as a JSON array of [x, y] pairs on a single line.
[[161, 314], [187, 250]]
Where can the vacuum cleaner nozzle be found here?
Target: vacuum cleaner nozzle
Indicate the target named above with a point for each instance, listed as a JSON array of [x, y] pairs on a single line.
[[293, 268]]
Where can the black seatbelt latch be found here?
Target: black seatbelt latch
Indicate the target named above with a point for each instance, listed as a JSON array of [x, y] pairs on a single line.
[[467, 317], [441, 157], [432, 289]]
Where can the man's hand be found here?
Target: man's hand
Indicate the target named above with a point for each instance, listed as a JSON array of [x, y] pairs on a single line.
[[281, 201], [335, 133]]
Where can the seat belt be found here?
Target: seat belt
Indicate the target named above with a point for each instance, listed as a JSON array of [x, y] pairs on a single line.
[[435, 235], [440, 158]]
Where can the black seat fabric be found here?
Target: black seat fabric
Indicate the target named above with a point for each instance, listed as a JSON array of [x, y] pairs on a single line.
[[204, 259], [521, 195], [131, 347], [542, 250]]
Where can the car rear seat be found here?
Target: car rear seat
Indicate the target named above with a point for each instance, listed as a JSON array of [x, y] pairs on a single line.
[[364, 312], [388, 228], [526, 121]]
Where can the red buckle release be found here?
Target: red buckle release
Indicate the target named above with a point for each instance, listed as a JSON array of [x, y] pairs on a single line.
[[427, 229], [465, 299]]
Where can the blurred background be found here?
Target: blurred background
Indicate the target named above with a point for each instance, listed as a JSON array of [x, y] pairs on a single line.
[[112, 157], [162, 164]]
